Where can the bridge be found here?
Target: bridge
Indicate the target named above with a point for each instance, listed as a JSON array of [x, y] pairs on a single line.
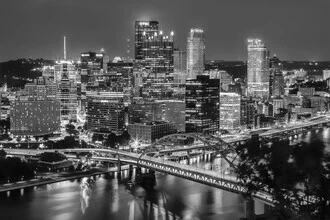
[[163, 145], [219, 180], [151, 158]]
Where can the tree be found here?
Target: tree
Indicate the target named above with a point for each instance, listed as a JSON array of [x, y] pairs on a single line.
[[111, 140], [3, 154], [290, 173], [71, 129], [124, 138]]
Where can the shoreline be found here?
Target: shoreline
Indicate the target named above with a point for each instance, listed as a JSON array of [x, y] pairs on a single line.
[[48, 180]]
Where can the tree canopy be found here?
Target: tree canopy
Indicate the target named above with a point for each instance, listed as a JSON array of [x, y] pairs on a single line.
[[291, 173]]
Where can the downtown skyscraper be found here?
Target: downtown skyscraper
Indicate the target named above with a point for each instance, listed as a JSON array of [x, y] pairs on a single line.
[[195, 53], [143, 29], [257, 69], [153, 48]]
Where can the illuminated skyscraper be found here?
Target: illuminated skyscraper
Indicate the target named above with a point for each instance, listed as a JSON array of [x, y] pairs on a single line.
[[153, 48], [195, 53], [230, 110], [258, 69], [143, 29], [157, 52], [202, 105]]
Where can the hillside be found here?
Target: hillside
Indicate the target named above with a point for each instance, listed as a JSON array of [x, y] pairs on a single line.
[[16, 73]]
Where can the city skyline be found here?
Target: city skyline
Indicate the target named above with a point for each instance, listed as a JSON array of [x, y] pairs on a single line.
[[288, 29]]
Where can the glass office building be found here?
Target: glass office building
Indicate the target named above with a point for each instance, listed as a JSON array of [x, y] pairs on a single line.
[[257, 69], [195, 53]]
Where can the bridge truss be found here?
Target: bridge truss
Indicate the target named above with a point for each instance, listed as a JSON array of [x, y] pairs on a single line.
[[209, 142]]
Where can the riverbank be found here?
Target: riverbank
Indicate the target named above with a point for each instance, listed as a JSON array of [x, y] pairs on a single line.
[[56, 177]]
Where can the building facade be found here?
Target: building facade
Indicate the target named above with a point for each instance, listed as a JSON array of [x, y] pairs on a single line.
[[202, 105], [257, 69], [143, 29], [195, 53], [230, 111], [105, 112], [149, 132], [35, 117]]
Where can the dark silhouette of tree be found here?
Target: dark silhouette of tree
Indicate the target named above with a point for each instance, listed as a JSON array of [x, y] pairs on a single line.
[[111, 140], [124, 138], [290, 173], [3, 154]]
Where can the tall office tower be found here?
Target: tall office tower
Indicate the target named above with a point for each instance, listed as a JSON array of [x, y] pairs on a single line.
[[105, 112], [257, 69], [202, 105], [230, 111], [248, 113], [195, 53], [278, 84], [143, 29], [157, 52], [67, 95], [65, 69], [180, 61], [275, 68]]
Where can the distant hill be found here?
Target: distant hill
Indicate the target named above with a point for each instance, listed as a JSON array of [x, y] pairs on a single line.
[[16, 73]]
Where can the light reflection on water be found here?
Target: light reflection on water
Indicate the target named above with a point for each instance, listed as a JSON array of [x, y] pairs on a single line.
[[110, 198]]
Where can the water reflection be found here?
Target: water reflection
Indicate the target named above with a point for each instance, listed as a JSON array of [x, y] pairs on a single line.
[[120, 199], [86, 187]]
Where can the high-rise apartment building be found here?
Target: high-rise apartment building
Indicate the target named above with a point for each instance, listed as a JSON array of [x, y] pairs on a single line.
[[230, 111], [202, 105], [257, 69], [195, 53]]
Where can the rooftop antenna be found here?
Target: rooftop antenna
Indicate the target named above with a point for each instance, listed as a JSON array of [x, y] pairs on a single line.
[[64, 48]]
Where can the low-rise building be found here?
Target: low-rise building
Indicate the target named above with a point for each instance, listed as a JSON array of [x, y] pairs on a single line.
[[151, 131]]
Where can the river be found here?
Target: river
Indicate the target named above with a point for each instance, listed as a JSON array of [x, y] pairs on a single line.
[[108, 198]]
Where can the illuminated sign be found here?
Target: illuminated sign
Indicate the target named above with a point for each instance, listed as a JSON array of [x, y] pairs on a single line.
[[85, 55], [99, 55]]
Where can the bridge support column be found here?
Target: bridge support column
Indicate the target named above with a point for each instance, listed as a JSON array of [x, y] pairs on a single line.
[[130, 170], [119, 169], [249, 208], [138, 170]]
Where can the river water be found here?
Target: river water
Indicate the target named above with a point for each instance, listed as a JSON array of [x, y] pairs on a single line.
[[108, 198]]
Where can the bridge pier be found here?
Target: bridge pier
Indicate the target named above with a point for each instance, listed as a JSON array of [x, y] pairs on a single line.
[[138, 170], [249, 209], [119, 169]]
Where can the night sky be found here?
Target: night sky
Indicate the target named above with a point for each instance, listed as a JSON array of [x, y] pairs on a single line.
[[293, 29]]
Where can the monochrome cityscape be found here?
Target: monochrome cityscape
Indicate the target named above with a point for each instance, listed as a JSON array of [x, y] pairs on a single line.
[[161, 131]]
